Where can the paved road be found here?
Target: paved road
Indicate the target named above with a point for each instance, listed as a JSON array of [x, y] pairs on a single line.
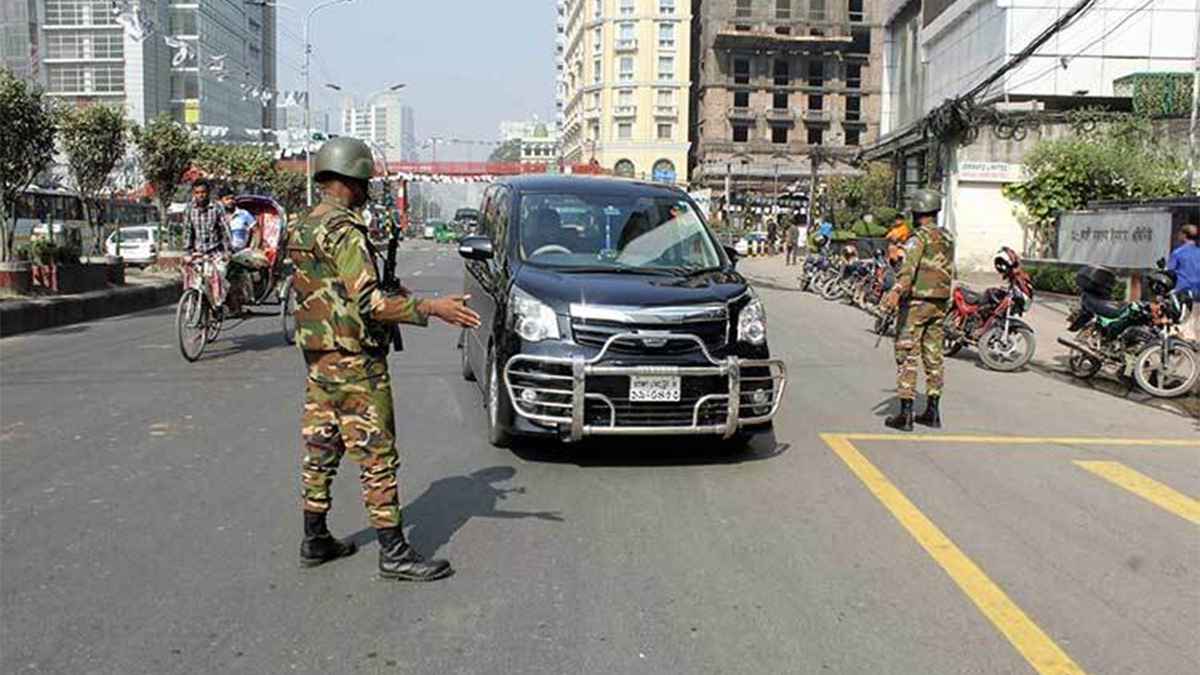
[[149, 522]]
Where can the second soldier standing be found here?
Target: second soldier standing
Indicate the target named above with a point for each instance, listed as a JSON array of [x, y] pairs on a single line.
[[922, 292], [343, 325]]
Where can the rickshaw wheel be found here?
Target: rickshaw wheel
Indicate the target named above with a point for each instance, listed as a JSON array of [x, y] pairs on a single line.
[[191, 324]]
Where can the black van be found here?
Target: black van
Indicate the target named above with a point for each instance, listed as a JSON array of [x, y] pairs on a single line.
[[609, 308]]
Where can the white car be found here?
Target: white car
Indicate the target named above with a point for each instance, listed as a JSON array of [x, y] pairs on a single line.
[[742, 247], [139, 244], [429, 232]]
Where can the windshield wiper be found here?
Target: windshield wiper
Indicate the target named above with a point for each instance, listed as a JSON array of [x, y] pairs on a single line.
[[691, 270], [616, 270]]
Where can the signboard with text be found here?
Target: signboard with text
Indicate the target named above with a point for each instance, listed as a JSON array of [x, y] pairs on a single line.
[[990, 172], [1134, 239]]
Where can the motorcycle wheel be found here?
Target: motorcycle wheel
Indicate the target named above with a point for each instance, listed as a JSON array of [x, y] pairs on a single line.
[[1168, 375], [1083, 366], [833, 290], [1006, 353]]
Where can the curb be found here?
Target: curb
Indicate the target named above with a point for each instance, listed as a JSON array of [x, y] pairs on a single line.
[[25, 316]]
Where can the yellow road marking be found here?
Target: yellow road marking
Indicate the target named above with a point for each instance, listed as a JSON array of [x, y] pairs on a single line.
[[1039, 650], [1145, 487], [1027, 440]]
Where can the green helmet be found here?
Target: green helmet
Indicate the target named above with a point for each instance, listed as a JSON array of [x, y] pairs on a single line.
[[925, 201], [343, 156]]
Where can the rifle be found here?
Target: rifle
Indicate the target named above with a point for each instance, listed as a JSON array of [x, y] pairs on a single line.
[[389, 282]]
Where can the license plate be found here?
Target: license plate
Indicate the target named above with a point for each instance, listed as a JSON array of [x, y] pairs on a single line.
[[656, 388]]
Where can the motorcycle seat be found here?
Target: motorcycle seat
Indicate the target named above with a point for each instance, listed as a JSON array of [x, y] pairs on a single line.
[[972, 297], [1101, 307]]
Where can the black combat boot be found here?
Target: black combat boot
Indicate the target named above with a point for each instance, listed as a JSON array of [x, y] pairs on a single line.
[[902, 420], [932, 417], [319, 546], [398, 560]]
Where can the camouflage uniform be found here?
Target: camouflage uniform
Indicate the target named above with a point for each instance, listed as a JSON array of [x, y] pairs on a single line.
[[343, 324], [924, 288]]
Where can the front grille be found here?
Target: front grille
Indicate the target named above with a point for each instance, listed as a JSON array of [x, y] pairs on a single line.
[[595, 332], [682, 413]]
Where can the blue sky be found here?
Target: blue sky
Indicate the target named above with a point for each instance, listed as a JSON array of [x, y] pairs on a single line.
[[468, 64]]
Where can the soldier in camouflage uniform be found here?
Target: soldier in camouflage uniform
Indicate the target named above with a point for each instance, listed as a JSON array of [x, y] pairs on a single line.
[[922, 292], [344, 323]]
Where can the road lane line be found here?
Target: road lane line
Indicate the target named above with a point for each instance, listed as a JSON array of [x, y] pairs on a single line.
[[1027, 440], [1145, 487], [1039, 650]]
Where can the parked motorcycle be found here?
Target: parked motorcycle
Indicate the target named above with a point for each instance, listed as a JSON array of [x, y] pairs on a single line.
[[1134, 337], [989, 320]]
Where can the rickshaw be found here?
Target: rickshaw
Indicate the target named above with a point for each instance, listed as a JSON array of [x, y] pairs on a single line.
[[260, 271]]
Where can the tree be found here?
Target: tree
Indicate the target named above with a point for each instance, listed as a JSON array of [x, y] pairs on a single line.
[[26, 146], [93, 140], [290, 188], [166, 151], [1122, 160], [244, 167], [869, 192], [508, 151]]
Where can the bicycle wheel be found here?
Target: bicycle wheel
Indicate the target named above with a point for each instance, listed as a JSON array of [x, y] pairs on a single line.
[[191, 324], [1168, 374]]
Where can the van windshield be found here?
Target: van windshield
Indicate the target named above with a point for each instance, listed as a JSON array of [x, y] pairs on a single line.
[[614, 231]]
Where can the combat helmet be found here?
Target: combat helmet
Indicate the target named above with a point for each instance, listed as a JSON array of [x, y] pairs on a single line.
[[344, 156], [924, 201]]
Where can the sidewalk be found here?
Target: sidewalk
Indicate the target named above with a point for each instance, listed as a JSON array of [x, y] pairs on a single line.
[[140, 292], [1048, 317]]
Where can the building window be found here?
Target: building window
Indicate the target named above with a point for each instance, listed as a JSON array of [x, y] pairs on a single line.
[[666, 35], [816, 73], [816, 135], [595, 99], [666, 6], [597, 71], [666, 97], [599, 9], [783, 75], [854, 76], [860, 40], [79, 13], [741, 99], [856, 11], [627, 7], [743, 9], [597, 39], [779, 135], [852, 136], [666, 67], [741, 133], [666, 132], [625, 97], [783, 9], [626, 31], [816, 10], [664, 171], [626, 72], [741, 71], [816, 102], [625, 131], [853, 108], [780, 100], [624, 168]]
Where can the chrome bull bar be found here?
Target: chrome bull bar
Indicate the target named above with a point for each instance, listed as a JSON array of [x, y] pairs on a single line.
[[563, 398]]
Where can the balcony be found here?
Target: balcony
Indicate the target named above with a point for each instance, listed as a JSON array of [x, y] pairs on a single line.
[[816, 116], [666, 111], [745, 114], [763, 36], [781, 115], [625, 44], [625, 111], [591, 114]]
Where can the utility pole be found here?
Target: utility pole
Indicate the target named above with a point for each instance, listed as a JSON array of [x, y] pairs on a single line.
[[1191, 166]]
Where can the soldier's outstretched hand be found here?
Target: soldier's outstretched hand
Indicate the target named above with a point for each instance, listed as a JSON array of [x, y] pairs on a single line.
[[453, 310]]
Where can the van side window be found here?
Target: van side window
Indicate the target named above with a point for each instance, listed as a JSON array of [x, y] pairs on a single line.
[[503, 205], [487, 213]]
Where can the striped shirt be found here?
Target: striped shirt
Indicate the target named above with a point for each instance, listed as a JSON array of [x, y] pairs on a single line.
[[207, 228]]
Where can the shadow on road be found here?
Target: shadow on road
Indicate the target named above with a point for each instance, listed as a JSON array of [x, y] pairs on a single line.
[[441, 511], [226, 346], [653, 451], [1107, 383]]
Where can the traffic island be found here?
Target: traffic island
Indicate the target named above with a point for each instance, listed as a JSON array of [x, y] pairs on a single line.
[[40, 313]]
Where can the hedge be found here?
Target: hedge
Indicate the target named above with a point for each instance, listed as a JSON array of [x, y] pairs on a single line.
[[1061, 279]]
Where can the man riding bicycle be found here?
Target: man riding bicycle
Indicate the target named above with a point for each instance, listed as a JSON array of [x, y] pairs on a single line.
[[207, 227]]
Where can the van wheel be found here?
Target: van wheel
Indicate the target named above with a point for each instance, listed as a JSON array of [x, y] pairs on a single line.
[[500, 413]]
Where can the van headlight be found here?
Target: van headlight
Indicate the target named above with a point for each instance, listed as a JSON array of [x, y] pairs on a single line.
[[533, 319], [752, 323]]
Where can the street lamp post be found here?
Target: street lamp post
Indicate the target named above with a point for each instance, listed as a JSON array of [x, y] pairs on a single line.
[[308, 92]]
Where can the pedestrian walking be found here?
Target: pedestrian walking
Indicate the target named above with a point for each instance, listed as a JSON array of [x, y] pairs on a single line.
[[922, 293], [791, 241], [1185, 263], [772, 236], [344, 325]]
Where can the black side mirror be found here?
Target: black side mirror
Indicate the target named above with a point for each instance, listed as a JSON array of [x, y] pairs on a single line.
[[475, 248], [732, 253]]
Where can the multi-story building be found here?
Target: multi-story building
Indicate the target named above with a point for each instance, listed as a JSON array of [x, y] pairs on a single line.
[[224, 75], [778, 82], [627, 82], [560, 53], [538, 143], [384, 122], [82, 54], [952, 49]]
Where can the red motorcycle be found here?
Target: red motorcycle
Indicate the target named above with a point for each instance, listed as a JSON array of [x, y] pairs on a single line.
[[988, 320]]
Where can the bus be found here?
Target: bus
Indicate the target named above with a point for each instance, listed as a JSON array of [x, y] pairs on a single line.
[[57, 213]]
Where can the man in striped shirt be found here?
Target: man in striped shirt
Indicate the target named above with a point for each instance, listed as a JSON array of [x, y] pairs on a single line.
[[207, 228]]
